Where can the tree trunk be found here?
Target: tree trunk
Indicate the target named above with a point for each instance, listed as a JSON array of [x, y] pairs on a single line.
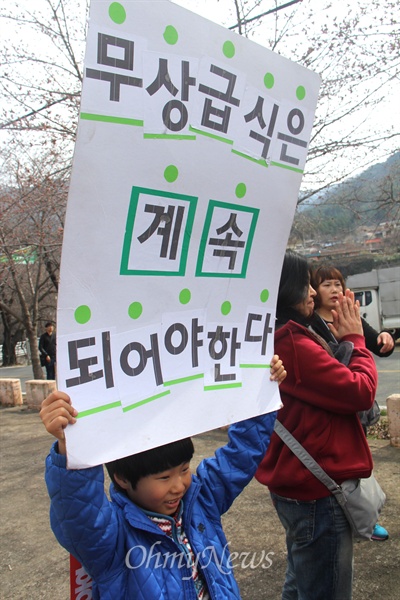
[[33, 343], [9, 356]]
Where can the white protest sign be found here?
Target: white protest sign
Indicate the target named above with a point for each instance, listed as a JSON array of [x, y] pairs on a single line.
[[190, 150]]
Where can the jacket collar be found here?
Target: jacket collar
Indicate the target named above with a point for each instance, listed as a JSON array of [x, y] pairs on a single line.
[[284, 315]]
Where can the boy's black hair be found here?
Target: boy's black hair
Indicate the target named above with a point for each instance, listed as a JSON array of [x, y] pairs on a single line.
[[134, 467]]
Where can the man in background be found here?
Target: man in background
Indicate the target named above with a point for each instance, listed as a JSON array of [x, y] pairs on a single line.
[[47, 349]]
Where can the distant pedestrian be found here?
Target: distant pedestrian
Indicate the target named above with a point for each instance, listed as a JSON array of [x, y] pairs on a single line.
[[48, 350]]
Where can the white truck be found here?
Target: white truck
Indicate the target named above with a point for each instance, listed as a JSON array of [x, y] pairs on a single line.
[[378, 292]]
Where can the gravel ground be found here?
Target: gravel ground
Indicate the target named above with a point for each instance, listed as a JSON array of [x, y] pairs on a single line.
[[34, 566]]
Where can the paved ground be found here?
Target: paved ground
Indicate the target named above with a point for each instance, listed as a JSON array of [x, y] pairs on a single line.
[[34, 566]]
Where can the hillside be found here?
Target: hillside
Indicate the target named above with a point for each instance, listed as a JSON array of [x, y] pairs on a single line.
[[355, 225], [371, 198]]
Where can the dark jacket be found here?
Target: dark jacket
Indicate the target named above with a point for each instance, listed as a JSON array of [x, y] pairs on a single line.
[[319, 326], [48, 345]]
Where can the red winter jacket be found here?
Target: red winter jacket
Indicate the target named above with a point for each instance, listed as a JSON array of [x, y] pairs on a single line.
[[321, 398]]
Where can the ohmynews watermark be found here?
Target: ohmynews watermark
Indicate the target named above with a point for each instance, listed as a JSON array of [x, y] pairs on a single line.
[[140, 556]]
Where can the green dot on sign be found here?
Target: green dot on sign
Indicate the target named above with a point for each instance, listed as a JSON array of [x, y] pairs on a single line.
[[228, 49], [226, 307], [170, 35], [171, 173], [185, 296], [135, 310], [269, 80], [301, 92], [82, 314], [264, 295], [240, 190], [117, 13]]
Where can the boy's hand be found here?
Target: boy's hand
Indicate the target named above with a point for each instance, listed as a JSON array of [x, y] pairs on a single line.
[[56, 413], [278, 372]]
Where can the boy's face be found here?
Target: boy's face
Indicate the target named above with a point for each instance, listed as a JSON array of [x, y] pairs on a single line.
[[162, 492]]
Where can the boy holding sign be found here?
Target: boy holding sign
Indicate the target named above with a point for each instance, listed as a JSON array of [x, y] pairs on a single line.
[[160, 538]]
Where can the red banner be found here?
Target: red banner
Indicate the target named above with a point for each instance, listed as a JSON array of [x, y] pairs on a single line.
[[80, 581]]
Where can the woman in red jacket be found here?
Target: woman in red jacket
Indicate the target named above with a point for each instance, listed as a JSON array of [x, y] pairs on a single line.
[[321, 398], [328, 282]]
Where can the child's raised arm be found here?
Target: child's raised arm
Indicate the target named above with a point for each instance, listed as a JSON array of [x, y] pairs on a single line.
[[56, 413]]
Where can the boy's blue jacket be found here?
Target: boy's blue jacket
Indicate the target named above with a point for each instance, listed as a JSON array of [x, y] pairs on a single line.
[[126, 554]]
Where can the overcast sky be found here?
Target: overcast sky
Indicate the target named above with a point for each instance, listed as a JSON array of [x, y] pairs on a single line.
[[324, 12]]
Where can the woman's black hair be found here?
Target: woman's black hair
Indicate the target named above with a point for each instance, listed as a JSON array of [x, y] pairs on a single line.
[[295, 281], [293, 286], [134, 467]]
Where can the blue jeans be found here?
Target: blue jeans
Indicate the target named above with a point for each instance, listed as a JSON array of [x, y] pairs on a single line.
[[50, 369], [319, 549]]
